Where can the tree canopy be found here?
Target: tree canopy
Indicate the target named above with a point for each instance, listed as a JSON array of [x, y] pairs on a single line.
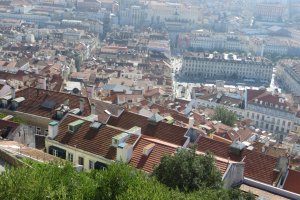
[[225, 116], [60, 181], [188, 171]]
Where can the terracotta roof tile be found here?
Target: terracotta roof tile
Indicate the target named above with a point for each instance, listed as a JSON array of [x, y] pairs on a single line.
[[35, 97], [163, 131], [176, 115], [147, 163], [96, 141], [161, 148], [101, 106], [292, 181], [257, 165]]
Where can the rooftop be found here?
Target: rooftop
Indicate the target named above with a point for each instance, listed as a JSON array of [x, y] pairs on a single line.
[[292, 181], [161, 130], [96, 141], [34, 98], [258, 166]]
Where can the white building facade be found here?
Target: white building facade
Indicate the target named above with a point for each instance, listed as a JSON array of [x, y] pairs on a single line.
[[205, 65]]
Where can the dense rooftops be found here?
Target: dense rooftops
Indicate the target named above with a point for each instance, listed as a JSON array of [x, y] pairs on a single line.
[[258, 166], [44, 102], [161, 130], [90, 139]]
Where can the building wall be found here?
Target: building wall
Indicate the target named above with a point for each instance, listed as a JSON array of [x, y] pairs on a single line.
[[77, 153], [288, 81], [208, 68], [272, 120]]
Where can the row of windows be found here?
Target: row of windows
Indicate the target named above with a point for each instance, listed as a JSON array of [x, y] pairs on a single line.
[[257, 117], [270, 127], [70, 157]]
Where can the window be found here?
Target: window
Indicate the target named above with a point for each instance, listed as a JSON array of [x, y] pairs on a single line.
[[80, 160], [55, 152], [283, 123], [257, 116], [46, 132], [267, 126], [289, 124], [70, 157], [91, 164], [38, 131], [262, 117], [278, 121], [252, 115]]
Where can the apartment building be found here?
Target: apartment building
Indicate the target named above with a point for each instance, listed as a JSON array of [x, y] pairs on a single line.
[[288, 75], [270, 112], [217, 65], [206, 40]]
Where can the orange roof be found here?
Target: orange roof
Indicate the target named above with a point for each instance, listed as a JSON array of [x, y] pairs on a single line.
[[292, 181], [163, 131], [96, 141], [161, 148], [35, 97], [147, 163], [257, 165]]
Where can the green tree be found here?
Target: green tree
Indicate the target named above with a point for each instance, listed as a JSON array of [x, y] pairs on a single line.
[[188, 171], [225, 116], [45, 181], [60, 181]]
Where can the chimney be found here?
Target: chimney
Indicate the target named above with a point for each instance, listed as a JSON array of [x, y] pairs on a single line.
[[43, 83], [53, 129], [93, 109], [81, 106], [66, 102], [148, 149], [191, 122], [124, 152], [13, 92], [90, 91]]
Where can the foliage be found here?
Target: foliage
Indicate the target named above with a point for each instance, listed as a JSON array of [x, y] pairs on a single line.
[[225, 116], [191, 171], [15, 119], [45, 181], [60, 181], [2, 115]]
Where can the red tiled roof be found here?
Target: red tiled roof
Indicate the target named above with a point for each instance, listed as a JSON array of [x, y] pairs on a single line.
[[252, 94], [176, 115], [96, 141], [101, 106], [147, 163], [153, 92], [163, 131], [292, 181], [265, 96], [257, 165], [35, 97]]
